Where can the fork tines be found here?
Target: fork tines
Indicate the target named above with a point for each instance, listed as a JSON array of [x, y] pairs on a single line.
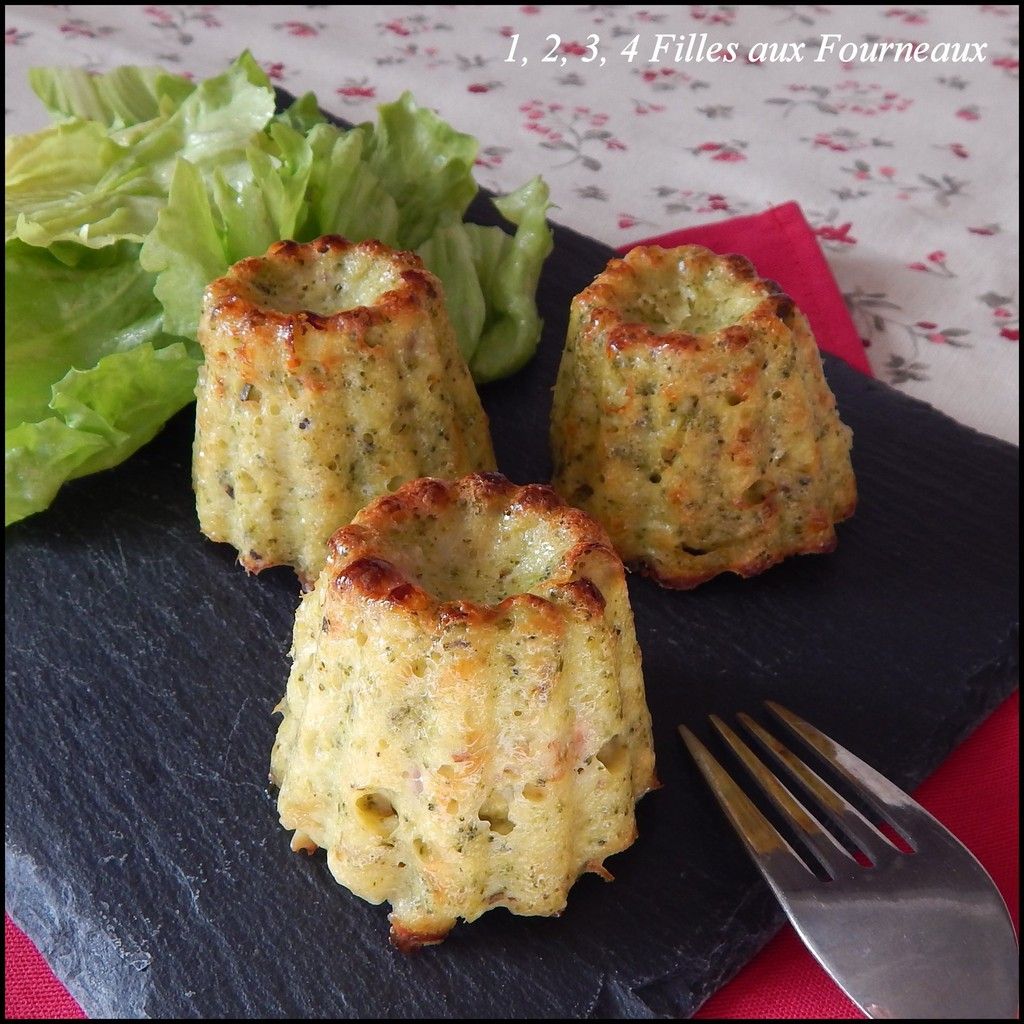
[[761, 837]]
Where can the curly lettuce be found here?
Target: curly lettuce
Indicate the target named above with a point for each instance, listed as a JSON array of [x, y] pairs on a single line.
[[97, 312], [490, 280]]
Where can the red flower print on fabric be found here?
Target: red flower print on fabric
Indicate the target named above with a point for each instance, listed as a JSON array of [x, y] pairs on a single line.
[[300, 29], [356, 90], [580, 132], [1005, 314], [725, 152]]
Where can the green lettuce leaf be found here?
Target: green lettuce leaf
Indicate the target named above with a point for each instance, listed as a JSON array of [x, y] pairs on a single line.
[[63, 314], [490, 280], [185, 251], [103, 415], [57, 161], [201, 232], [38, 459], [212, 128], [346, 196], [303, 114], [424, 164], [86, 182], [72, 182], [124, 96], [83, 337], [451, 254]]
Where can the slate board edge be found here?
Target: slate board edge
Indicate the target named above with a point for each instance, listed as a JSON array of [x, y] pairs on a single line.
[[32, 910]]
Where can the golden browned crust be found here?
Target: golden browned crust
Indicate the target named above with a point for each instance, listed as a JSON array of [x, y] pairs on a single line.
[[358, 553], [407, 940], [611, 292], [235, 301], [692, 418]]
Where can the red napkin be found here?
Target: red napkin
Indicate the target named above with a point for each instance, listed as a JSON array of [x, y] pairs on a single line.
[[30, 989], [784, 981]]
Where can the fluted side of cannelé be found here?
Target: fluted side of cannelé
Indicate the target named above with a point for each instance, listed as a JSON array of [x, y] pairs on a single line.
[[306, 414], [693, 420], [454, 754]]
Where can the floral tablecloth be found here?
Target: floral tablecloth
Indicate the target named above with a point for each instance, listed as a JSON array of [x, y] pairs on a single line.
[[908, 171]]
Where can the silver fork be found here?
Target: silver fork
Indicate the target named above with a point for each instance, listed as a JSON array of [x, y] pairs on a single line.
[[918, 934]]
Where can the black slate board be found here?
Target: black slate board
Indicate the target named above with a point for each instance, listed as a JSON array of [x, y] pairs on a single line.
[[143, 853]]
